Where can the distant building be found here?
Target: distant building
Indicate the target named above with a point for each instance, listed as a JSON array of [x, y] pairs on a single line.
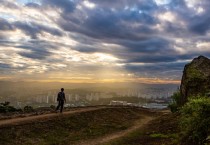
[[120, 103]]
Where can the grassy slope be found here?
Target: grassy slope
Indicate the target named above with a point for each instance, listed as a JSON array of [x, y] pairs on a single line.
[[161, 131], [72, 128]]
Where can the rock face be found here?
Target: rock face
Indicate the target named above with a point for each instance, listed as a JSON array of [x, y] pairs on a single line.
[[195, 79]]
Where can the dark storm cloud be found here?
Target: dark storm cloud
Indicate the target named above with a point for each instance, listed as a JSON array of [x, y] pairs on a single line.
[[166, 63], [171, 57], [114, 22], [41, 43], [9, 4], [171, 71], [155, 67], [35, 54], [144, 5], [158, 70], [33, 5], [5, 66], [144, 51], [134, 31], [200, 24], [66, 5], [86, 49], [36, 50], [151, 59], [99, 25], [5, 25], [32, 29], [105, 24], [196, 23], [151, 45], [5, 42], [177, 4], [137, 45]]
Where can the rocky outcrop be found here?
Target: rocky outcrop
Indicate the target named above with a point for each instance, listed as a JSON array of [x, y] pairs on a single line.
[[195, 79]]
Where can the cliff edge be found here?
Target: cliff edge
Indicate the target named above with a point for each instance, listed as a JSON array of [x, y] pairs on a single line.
[[195, 79]]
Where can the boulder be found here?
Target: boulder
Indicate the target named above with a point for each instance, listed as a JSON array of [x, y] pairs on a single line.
[[195, 79]]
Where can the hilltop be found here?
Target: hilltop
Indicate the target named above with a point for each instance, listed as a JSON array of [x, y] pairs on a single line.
[[92, 125], [122, 125]]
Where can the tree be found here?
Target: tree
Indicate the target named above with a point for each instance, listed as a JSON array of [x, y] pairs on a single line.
[[5, 107], [195, 121], [176, 97], [28, 109]]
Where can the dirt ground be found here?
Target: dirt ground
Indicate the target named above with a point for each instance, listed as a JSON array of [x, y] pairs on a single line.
[[93, 126]]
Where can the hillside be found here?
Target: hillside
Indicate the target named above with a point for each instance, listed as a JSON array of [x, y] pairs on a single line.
[[195, 79], [100, 125]]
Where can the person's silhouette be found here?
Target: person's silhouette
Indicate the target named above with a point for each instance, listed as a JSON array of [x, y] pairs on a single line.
[[61, 98]]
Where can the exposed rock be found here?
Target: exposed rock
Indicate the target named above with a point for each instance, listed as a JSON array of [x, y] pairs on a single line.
[[195, 79]]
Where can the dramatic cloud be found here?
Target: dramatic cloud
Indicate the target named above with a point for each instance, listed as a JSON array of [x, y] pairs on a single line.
[[33, 29], [5, 25], [101, 40]]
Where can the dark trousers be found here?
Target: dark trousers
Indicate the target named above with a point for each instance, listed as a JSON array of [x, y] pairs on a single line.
[[60, 105]]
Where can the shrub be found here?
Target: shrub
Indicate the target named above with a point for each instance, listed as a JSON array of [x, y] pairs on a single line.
[[11, 109], [195, 121], [52, 107], [28, 109], [4, 108], [176, 97], [5, 104], [159, 135]]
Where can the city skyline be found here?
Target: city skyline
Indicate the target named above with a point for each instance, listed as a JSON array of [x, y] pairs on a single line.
[[93, 41]]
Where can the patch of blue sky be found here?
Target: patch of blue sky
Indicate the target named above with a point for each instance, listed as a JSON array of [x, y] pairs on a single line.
[[23, 2], [162, 2], [134, 8], [7, 17]]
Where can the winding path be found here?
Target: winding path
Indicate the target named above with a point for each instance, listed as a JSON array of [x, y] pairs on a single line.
[[101, 140], [28, 119], [105, 139]]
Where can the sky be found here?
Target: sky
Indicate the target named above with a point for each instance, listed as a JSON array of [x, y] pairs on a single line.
[[101, 41]]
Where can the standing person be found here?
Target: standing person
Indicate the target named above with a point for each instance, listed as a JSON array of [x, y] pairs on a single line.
[[61, 98]]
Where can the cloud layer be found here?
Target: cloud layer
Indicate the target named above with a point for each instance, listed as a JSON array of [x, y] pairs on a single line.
[[92, 40]]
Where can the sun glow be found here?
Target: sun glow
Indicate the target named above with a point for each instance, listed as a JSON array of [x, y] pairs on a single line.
[[88, 4], [105, 57]]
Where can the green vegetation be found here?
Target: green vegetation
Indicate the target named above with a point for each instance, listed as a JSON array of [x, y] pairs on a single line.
[[194, 118], [176, 101], [28, 109], [53, 107], [159, 135], [128, 139], [5, 107], [194, 73], [196, 82], [195, 121], [162, 130], [70, 129]]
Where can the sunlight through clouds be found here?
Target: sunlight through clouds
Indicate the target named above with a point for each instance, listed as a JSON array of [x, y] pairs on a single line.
[[88, 4], [167, 16], [45, 40], [162, 2]]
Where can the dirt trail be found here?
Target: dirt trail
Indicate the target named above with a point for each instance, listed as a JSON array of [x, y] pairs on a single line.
[[18, 121], [101, 140], [105, 139]]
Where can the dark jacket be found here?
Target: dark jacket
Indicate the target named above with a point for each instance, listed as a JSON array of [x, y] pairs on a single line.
[[61, 96]]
